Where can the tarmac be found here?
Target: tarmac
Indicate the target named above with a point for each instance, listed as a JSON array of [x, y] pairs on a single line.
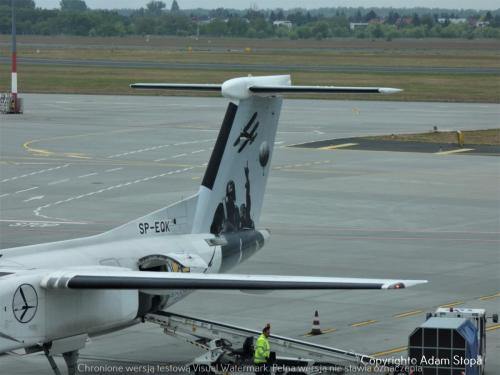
[[331, 212]]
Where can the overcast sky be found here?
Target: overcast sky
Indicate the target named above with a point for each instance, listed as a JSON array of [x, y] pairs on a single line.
[[286, 4]]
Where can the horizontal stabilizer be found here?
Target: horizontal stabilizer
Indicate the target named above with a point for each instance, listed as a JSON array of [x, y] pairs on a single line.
[[323, 90], [244, 87], [177, 86], [115, 278]]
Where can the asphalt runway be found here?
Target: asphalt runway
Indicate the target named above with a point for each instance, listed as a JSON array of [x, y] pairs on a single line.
[[255, 67], [77, 165]]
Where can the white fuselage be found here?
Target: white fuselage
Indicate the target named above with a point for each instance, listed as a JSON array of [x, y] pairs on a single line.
[[64, 313]]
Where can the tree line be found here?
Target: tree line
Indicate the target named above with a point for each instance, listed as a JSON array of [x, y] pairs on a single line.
[[75, 18]]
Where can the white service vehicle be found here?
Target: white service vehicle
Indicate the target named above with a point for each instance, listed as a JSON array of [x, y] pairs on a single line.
[[477, 316]]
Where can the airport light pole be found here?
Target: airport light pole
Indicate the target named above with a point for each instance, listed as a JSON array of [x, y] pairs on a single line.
[[13, 90]]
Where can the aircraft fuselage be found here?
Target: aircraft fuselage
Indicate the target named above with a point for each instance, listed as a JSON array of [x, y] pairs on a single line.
[[31, 315]]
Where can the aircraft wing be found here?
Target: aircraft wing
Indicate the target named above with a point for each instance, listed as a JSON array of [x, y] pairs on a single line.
[[116, 278]]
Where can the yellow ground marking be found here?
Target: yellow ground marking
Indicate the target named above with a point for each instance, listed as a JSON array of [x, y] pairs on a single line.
[[365, 323], [323, 331], [334, 147], [195, 178], [390, 351], [492, 328], [38, 151], [452, 304], [330, 330], [77, 156], [454, 151], [408, 313], [492, 296], [41, 152]]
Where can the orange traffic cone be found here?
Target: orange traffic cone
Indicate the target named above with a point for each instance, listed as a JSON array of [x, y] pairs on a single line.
[[316, 330]]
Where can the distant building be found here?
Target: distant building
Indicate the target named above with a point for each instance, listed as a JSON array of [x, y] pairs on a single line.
[[206, 22], [482, 23], [357, 25], [284, 23], [454, 21], [404, 21]]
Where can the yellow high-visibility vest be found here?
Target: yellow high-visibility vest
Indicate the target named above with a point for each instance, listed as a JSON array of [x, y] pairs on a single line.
[[262, 350]]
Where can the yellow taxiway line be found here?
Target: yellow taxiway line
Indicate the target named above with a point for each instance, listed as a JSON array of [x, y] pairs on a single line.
[[390, 351], [492, 328], [452, 304], [343, 145], [408, 313], [492, 296], [454, 151], [365, 323], [328, 330]]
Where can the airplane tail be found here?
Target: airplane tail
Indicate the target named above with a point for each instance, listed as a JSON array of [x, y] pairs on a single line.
[[231, 195], [232, 191]]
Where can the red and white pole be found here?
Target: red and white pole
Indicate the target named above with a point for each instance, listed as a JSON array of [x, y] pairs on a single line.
[[14, 61]]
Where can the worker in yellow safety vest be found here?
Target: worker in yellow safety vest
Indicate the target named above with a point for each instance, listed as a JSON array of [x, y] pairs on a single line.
[[262, 352]]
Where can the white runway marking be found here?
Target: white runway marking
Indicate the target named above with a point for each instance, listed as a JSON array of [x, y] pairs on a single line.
[[4, 195], [178, 156], [197, 151], [87, 175], [34, 173], [193, 142], [289, 166], [25, 190], [114, 169], [58, 182], [158, 147], [137, 151], [38, 197], [38, 210], [41, 221]]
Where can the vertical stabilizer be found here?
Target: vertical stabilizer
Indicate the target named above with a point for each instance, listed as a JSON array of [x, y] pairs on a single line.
[[232, 191]]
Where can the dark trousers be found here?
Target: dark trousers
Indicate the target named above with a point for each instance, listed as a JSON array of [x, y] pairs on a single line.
[[262, 369]]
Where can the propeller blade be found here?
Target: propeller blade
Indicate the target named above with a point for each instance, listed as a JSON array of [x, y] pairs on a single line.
[[24, 313], [22, 295]]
